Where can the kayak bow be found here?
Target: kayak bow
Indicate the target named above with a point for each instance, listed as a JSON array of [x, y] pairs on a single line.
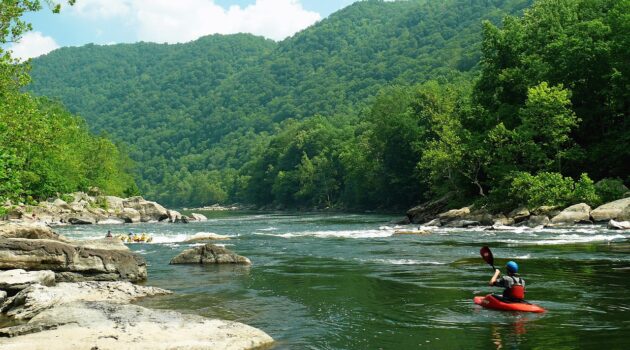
[[491, 302]]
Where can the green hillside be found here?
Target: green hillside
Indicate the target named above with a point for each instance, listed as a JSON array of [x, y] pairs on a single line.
[[228, 118]]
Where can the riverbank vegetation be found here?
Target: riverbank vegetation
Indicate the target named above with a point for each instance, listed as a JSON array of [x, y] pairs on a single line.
[[45, 150], [382, 105]]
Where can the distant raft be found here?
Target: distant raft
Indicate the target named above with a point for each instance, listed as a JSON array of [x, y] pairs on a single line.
[[142, 238]]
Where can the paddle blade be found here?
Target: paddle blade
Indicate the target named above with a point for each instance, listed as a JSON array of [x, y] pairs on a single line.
[[486, 255]]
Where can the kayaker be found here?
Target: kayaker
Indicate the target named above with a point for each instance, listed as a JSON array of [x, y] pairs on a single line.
[[514, 285]]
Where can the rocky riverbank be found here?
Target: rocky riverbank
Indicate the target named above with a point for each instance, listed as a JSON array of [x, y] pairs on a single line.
[[82, 209], [66, 294], [434, 213]]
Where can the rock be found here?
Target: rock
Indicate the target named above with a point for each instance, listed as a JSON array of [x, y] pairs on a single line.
[[98, 264], [173, 216], [573, 214], [547, 210], [618, 225], [209, 254], [149, 211], [411, 232], [18, 279], [502, 220], [401, 221], [463, 223], [60, 203], [499, 227], [537, 221], [28, 230], [454, 214], [36, 298], [112, 243], [82, 219], [205, 236], [130, 215], [428, 210], [434, 222], [617, 210], [114, 203], [519, 214], [110, 326], [198, 217], [3, 296]]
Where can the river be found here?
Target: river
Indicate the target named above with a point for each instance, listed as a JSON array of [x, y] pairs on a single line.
[[344, 281]]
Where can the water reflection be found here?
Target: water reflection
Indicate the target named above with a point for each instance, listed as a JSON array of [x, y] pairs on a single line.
[[510, 335]]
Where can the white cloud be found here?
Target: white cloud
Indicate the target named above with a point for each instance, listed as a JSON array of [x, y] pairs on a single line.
[[185, 20], [33, 44]]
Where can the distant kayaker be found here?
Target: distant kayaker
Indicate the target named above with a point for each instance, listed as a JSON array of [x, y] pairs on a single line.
[[109, 234], [514, 285]]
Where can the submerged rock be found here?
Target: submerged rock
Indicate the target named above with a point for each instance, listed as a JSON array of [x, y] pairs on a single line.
[[205, 236], [198, 217], [617, 210], [103, 325], [209, 254], [36, 298], [578, 213], [619, 225]]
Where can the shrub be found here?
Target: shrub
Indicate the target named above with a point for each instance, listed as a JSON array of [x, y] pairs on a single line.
[[552, 189], [610, 189]]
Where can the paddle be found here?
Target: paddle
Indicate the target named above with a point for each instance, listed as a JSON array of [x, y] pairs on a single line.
[[486, 254]]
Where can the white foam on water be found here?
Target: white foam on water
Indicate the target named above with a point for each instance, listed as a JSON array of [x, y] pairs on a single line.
[[268, 229], [523, 257], [571, 238], [404, 262], [355, 234]]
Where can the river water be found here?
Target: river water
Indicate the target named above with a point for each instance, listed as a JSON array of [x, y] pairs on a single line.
[[344, 281]]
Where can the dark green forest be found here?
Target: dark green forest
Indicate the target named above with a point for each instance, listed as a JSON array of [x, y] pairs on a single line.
[[44, 149], [380, 106]]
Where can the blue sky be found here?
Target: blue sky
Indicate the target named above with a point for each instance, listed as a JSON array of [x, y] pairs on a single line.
[[127, 21]]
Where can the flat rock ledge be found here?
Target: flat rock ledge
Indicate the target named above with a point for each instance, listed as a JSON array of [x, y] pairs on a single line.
[[209, 254], [36, 298], [104, 325], [71, 262]]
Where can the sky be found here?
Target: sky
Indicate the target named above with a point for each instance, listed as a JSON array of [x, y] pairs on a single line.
[[106, 22]]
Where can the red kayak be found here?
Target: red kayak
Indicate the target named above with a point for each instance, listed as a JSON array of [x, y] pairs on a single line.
[[491, 302]]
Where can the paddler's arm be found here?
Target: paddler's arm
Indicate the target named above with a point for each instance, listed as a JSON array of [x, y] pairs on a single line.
[[497, 272]]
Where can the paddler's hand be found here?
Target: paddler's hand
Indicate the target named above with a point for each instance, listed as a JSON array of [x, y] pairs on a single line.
[[497, 272]]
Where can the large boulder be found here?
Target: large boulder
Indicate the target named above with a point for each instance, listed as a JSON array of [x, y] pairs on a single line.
[[36, 298], [18, 279], [114, 204], [61, 204], [428, 210], [174, 216], [502, 220], [60, 257], [537, 221], [209, 254], [519, 214], [130, 215], [577, 213], [149, 211], [454, 214], [618, 210], [111, 326], [28, 230]]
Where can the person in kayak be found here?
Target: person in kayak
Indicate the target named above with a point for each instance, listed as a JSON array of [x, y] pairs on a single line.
[[514, 285]]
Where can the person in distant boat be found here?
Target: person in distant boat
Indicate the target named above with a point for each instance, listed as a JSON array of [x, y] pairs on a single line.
[[513, 284], [109, 234]]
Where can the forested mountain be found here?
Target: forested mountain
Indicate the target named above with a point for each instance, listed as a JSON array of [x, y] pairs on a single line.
[[44, 150], [333, 115], [193, 114]]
